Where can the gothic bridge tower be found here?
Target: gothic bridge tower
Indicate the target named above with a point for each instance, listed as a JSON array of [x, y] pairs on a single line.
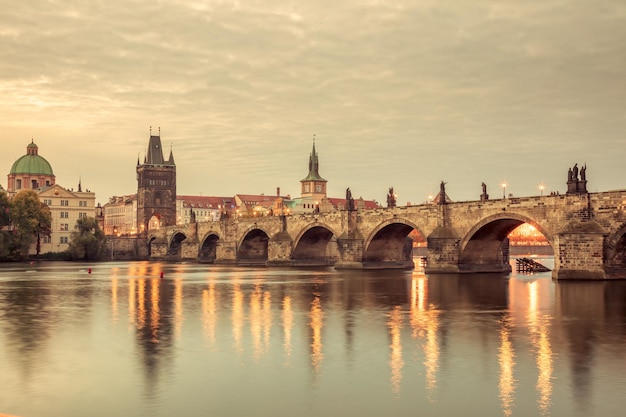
[[156, 188]]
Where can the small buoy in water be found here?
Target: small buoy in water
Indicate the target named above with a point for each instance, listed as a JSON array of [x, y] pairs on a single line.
[[161, 274], [89, 270]]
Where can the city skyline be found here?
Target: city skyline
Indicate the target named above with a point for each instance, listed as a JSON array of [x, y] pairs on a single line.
[[397, 94]]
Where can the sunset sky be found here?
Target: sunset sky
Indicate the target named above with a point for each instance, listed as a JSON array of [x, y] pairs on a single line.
[[397, 93]]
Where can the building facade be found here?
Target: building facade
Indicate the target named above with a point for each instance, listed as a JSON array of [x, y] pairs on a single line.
[[66, 207], [120, 216]]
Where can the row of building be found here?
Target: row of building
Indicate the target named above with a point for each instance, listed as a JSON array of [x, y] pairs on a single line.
[[156, 203]]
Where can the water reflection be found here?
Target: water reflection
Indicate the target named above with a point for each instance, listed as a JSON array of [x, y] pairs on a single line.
[[287, 326], [425, 325], [395, 362], [209, 313], [316, 322], [401, 340]]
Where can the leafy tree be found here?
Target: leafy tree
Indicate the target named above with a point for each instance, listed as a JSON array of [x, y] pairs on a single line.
[[5, 208], [31, 219], [87, 240], [5, 241]]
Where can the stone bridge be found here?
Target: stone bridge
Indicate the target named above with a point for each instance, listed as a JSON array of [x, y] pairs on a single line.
[[586, 231]]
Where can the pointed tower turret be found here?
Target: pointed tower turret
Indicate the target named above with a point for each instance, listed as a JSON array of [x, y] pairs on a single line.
[[313, 185], [170, 161]]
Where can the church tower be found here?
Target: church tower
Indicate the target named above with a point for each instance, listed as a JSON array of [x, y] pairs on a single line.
[[156, 187], [313, 186]]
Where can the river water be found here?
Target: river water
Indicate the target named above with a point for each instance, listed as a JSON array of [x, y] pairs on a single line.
[[210, 340]]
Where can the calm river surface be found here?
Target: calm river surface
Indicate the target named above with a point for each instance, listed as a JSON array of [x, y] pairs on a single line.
[[223, 341]]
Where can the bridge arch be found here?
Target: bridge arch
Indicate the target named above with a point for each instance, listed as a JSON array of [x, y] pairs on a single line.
[[175, 245], [151, 239], [253, 246], [207, 251], [316, 244], [482, 244], [389, 243], [615, 249]]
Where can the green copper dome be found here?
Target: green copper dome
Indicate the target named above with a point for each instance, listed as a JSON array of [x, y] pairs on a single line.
[[31, 163]]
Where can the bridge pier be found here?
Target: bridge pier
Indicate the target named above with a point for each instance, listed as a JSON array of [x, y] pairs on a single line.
[[279, 250], [225, 252], [442, 251], [350, 253], [578, 251]]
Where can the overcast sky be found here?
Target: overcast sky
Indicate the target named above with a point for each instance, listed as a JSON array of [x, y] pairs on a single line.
[[397, 93]]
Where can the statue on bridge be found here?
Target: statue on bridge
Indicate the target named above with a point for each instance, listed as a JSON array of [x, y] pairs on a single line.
[[391, 198], [442, 193], [349, 200], [574, 184], [484, 196]]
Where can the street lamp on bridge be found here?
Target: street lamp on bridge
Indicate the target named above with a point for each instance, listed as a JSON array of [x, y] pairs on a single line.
[[503, 189]]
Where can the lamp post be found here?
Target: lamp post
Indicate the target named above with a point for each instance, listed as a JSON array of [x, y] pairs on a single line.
[[541, 187], [503, 189]]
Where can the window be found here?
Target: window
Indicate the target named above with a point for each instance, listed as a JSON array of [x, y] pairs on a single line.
[[82, 204], [65, 215], [47, 202], [47, 239], [318, 188], [82, 215], [65, 227], [18, 184], [63, 239], [65, 203]]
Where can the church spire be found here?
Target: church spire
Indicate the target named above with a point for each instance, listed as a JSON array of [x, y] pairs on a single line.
[[314, 166]]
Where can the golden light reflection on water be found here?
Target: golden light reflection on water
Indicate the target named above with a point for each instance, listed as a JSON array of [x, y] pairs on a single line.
[[155, 310], [395, 362], [209, 313], [267, 319], [141, 303], [131, 300], [251, 311], [530, 302], [256, 321], [506, 360], [114, 297], [287, 325], [237, 316], [424, 321], [539, 328], [317, 322], [178, 307]]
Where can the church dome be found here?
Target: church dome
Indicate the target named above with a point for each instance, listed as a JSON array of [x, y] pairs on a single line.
[[32, 163]]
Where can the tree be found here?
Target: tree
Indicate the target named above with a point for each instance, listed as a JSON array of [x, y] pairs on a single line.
[[30, 219], [87, 240], [5, 209]]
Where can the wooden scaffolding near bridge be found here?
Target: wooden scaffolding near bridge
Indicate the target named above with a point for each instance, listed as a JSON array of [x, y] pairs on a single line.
[[529, 265]]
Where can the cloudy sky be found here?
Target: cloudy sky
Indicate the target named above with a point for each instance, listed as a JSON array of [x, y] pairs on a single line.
[[402, 93]]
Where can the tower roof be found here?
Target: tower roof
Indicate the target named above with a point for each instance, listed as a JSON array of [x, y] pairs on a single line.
[[32, 163], [314, 165], [154, 154]]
